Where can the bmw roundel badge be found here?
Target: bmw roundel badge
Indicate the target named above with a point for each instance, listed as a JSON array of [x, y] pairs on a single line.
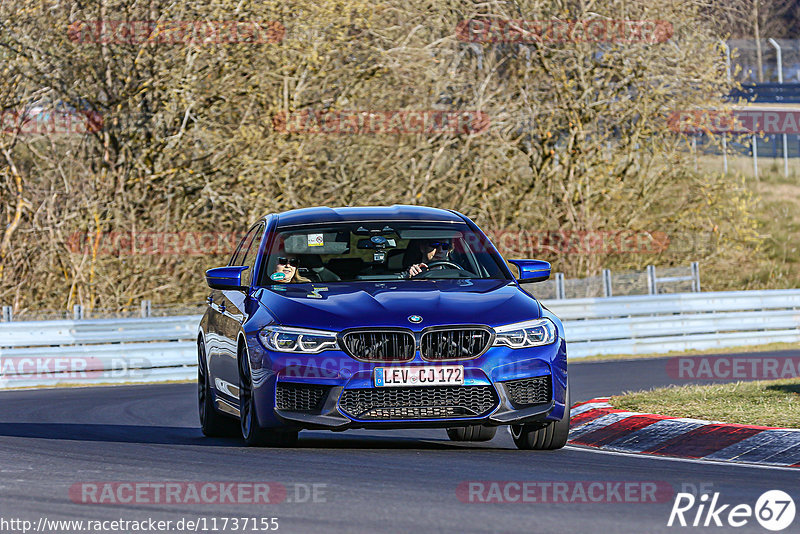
[[415, 319]]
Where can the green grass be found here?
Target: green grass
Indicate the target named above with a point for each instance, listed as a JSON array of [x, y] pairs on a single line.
[[773, 403]]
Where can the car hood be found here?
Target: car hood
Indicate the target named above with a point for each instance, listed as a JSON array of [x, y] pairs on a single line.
[[341, 305]]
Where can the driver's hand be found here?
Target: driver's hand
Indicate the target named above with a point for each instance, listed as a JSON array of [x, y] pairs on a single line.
[[414, 270]]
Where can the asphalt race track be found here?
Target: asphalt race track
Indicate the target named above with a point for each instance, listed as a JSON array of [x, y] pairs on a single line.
[[366, 481]]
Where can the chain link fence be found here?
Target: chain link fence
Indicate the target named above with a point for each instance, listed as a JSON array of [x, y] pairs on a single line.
[[648, 282], [651, 281]]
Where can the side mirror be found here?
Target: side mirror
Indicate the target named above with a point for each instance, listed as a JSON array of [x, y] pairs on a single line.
[[532, 270], [226, 277]]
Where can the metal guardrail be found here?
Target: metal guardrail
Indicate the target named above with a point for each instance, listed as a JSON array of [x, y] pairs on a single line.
[[92, 351], [47, 353], [88, 331], [663, 323], [80, 313], [778, 93]]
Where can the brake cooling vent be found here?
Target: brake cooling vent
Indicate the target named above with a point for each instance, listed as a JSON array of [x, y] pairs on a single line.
[[300, 397], [529, 391]]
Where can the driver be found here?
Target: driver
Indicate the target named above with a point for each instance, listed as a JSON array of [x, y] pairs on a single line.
[[427, 250]]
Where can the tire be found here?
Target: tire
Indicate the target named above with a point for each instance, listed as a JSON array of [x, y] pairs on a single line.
[[254, 435], [472, 433], [543, 437], [212, 423]]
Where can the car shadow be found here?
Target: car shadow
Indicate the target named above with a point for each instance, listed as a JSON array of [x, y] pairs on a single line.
[[172, 435], [785, 388], [158, 435]]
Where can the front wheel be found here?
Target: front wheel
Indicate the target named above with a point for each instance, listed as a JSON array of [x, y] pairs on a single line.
[[252, 433], [545, 437]]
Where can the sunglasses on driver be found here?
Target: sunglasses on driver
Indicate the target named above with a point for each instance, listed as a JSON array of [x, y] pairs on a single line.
[[291, 262], [441, 245]]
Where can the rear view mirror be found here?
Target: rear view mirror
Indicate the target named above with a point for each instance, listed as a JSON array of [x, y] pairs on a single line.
[[226, 277], [532, 270], [377, 242]]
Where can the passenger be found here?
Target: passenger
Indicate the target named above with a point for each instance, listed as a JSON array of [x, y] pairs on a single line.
[[288, 267], [425, 250]]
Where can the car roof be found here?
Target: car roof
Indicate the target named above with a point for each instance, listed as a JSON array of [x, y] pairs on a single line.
[[366, 213]]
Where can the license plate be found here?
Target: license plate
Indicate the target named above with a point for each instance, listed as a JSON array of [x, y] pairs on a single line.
[[421, 375]]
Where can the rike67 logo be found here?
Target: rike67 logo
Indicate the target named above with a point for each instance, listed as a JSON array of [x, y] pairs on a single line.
[[774, 510]]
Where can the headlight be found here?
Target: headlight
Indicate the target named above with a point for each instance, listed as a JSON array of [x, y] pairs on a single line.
[[526, 334], [303, 340]]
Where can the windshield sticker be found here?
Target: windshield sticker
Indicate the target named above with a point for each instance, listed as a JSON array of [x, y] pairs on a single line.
[[277, 276], [315, 240]]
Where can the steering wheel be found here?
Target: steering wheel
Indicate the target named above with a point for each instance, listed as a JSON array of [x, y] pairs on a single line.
[[438, 264]]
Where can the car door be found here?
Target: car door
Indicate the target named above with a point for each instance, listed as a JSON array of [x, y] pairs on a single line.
[[212, 330], [232, 314]]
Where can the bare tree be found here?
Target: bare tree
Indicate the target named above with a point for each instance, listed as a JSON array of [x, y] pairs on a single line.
[[577, 137]]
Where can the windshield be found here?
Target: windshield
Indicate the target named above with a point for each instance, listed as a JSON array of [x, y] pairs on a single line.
[[373, 251]]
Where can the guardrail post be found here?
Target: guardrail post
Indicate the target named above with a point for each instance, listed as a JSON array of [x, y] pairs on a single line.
[[727, 60], [725, 153], [560, 293], [8, 314], [652, 288], [77, 312], [145, 307], [695, 277], [606, 282]]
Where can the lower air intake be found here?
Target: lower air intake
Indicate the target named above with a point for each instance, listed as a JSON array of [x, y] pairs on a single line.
[[300, 397], [529, 391], [435, 402]]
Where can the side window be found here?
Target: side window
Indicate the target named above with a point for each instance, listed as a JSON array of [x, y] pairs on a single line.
[[241, 250], [249, 258]]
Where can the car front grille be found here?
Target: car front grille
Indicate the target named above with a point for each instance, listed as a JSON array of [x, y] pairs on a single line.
[[454, 344], [529, 391], [380, 345], [300, 397], [434, 402]]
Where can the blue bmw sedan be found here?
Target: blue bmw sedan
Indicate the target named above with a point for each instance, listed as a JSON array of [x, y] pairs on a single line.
[[379, 317]]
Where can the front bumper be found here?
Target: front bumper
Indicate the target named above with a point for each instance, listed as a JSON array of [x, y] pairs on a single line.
[[338, 376]]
